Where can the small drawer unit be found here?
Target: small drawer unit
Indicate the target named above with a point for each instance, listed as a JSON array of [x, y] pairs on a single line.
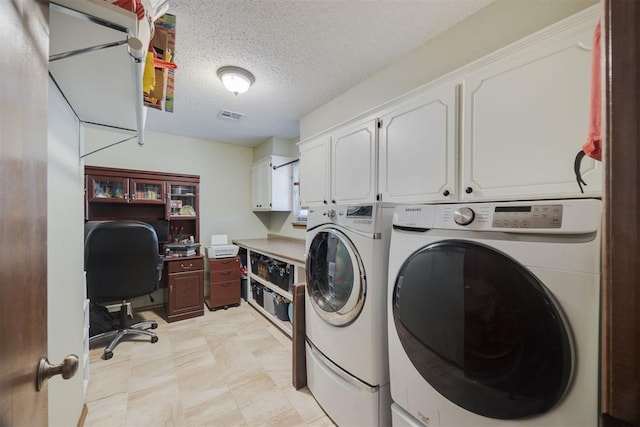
[[224, 283], [185, 287]]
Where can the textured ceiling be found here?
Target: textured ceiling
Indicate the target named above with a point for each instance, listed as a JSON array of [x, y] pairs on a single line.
[[303, 54]]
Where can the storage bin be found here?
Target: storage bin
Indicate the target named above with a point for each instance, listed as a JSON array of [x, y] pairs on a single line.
[[281, 274], [269, 301], [260, 265], [282, 308], [257, 291], [243, 288]]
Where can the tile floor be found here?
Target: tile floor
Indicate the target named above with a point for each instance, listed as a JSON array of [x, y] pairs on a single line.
[[226, 368]]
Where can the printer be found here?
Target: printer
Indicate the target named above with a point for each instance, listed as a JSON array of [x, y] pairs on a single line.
[[220, 247]]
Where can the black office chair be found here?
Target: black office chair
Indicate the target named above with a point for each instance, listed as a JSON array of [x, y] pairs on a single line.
[[122, 262]]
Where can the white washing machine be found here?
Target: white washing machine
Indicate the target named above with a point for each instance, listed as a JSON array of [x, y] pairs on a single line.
[[347, 251], [493, 313]]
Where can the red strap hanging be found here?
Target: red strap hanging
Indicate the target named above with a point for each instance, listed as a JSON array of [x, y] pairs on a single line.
[[593, 146]]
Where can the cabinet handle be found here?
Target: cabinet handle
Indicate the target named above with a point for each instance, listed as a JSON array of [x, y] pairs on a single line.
[[445, 193], [186, 268], [468, 190], [225, 284], [171, 288], [324, 201], [225, 273], [333, 201]]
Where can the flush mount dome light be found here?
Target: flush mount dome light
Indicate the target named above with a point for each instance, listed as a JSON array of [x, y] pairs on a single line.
[[236, 79]]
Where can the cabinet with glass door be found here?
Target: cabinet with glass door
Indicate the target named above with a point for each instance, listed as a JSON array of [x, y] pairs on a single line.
[[121, 189]]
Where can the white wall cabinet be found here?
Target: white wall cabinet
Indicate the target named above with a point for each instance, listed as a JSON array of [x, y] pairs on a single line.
[[315, 164], [417, 161], [340, 167], [506, 127], [354, 163], [271, 189], [525, 116]]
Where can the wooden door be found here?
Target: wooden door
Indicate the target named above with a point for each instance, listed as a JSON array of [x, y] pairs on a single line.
[[314, 171], [621, 229], [418, 149], [526, 117], [261, 185], [24, 27], [353, 163]]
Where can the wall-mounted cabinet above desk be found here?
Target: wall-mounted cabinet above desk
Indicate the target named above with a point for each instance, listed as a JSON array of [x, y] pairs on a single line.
[[97, 53]]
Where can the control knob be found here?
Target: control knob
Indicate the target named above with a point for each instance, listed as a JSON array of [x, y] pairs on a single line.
[[331, 214], [464, 216]]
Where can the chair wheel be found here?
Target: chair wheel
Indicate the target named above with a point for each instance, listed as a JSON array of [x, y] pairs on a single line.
[[108, 355], [154, 326], [154, 339]]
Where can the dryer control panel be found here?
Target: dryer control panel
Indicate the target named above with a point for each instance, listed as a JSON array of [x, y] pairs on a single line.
[[529, 216], [540, 216]]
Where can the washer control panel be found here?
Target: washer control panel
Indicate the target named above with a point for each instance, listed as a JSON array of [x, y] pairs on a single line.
[[527, 216]]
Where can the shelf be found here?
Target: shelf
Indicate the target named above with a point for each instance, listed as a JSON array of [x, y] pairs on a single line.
[[97, 61], [283, 325], [274, 288]]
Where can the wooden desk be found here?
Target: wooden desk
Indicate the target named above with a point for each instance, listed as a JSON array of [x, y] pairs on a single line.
[[184, 279]]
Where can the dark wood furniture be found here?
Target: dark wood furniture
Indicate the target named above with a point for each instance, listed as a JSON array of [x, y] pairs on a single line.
[[150, 196], [184, 282], [114, 194], [621, 230], [224, 283], [299, 363]]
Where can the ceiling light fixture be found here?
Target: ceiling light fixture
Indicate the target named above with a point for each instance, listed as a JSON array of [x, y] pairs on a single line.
[[236, 79]]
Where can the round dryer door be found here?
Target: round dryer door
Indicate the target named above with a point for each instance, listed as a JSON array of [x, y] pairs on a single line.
[[482, 330], [335, 278]]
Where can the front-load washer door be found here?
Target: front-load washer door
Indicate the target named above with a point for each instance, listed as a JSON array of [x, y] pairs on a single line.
[[482, 330], [336, 283]]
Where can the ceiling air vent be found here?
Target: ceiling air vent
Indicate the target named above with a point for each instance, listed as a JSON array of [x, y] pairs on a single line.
[[229, 115]]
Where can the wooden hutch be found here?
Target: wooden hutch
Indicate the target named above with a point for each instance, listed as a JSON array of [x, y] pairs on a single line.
[[156, 198]]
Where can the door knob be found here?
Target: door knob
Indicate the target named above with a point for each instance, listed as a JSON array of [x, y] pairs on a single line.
[[46, 370]]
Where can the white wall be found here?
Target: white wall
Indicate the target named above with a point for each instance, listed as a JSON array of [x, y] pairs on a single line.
[[65, 260], [499, 24]]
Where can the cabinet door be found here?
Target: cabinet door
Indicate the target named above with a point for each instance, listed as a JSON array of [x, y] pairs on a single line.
[[314, 171], [261, 185], [107, 189], [186, 293], [281, 190], [525, 118], [182, 200], [146, 191], [353, 163], [418, 149]]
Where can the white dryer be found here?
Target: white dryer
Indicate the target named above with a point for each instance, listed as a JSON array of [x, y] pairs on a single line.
[[347, 251], [493, 313]]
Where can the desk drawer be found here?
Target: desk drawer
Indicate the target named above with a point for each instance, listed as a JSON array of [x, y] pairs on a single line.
[[181, 266], [225, 276], [225, 264], [225, 293]]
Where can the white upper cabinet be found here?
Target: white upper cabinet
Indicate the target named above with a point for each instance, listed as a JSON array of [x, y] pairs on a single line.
[[418, 149], [353, 163], [525, 116], [506, 127], [271, 189], [339, 167], [314, 170]]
